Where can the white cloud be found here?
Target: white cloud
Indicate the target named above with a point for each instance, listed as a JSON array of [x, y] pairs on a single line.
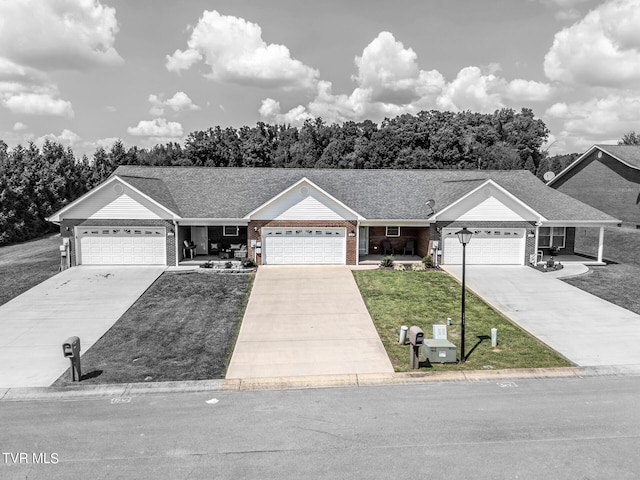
[[179, 102], [390, 82], [236, 53], [107, 142], [19, 126], [566, 10], [158, 127], [67, 138], [58, 33], [612, 59], [37, 104]]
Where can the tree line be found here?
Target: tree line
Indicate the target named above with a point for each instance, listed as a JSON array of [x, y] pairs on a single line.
[[36, 182]]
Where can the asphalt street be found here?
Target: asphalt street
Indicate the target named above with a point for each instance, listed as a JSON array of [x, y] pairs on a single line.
[[577, 428]]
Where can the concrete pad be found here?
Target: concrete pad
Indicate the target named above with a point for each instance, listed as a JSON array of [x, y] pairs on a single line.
[[306, 321], [81, 301], [585, 329]]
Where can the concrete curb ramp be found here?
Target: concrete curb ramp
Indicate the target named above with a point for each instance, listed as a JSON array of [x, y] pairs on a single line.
[[81, 301]]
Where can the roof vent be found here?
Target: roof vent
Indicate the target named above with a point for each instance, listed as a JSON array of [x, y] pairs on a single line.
[[118, 188], [304, 191]]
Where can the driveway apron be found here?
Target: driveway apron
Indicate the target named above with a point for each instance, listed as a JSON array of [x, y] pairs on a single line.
[[81, 301], [306, 320], [583, 328]]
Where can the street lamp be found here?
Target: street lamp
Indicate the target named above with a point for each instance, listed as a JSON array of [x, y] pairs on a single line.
[[464, 236]]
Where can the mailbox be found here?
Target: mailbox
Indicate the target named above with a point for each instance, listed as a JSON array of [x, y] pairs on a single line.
[[71, 347], [416, 335], [71, 350]]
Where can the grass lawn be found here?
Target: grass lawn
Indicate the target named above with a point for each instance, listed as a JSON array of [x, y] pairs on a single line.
[[428, 298], [27, 264], [616, 283], [183, 328]]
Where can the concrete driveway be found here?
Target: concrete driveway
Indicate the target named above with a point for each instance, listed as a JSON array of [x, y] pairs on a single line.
[[585, 329], [306, 320], [82, 301]]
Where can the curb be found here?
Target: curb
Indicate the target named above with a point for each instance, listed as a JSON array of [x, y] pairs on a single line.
[[126, 390]]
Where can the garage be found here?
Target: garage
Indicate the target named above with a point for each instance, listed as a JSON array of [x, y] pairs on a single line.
[[496, 246], [121, 246], [304, 246]]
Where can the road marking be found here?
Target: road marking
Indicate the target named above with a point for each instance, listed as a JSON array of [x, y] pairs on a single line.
[[120, 400], [507, 385]]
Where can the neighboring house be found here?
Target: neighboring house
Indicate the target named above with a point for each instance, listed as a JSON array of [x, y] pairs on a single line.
[[144, 215], [606, 177]]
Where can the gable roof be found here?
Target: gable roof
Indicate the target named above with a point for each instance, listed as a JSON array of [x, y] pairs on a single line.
[[628, 155], [209, 192]]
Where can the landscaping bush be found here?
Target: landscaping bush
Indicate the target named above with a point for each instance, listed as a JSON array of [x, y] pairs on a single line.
[[427, 261], [387, 261]]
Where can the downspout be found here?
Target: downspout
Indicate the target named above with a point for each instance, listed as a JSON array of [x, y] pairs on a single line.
[[600, 244], [175, 241], [358, 242]]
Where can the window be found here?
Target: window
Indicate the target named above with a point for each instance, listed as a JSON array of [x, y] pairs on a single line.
[[551, 237], [393, 232], [230, 231]]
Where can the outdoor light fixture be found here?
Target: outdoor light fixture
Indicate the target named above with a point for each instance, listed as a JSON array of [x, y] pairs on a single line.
[[464, 236]]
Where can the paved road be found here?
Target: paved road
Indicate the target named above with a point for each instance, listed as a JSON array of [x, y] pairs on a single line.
[[580, 428], [585, 329], [81, 301], [306, 320]]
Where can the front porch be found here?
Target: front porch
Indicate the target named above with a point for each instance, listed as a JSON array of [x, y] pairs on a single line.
[[570, 259]]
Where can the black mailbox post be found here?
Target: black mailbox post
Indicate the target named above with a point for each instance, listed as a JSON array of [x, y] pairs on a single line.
[[416, 335], [71, 350]]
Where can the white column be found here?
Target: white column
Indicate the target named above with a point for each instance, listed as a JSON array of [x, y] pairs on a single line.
[[600, 244]]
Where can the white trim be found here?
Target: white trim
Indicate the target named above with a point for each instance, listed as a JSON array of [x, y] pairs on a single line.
[[55, 218], [224, 231], [310, 183], [386, 231], [541, 218], [212, 222], [579, 223], [397, 222]]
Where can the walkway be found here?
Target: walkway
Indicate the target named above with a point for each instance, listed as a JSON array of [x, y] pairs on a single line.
[[81, 301], [585, 329], [306, 320]]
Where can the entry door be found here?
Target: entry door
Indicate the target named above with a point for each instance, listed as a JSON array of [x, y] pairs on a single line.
[[363, 242], [200, 237]]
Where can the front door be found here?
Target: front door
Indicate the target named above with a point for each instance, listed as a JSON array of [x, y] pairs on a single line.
[[200, 237], [363, 241]]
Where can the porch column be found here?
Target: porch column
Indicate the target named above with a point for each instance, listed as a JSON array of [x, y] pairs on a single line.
[[600, 244]]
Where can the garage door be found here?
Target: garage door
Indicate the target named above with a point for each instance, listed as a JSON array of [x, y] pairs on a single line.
[[321, 246], [497, 246], [122, 246]]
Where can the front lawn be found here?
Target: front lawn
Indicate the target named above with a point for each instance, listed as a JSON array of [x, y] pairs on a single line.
[[27, 264], [616, 283], [427, 298], [183, 328]]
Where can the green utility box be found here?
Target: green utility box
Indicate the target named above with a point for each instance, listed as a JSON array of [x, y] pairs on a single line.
[[439, 351]]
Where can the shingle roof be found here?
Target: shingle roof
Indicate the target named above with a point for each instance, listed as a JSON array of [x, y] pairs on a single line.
[[205, 192], [627, 153]]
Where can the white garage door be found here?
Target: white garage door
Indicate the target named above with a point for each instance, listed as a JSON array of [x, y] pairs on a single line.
[[496, 246], [320, 246], [122, 246]]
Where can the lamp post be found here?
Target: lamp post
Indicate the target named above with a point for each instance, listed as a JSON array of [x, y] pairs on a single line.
[[464, 236]]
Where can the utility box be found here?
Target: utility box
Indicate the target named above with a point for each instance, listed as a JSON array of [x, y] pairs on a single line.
[[439, 351]]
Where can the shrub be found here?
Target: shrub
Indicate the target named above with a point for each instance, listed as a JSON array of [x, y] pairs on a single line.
[[399, 267], [387, 261], [228, 265], [418, 267], [428, 261], [248, 263]]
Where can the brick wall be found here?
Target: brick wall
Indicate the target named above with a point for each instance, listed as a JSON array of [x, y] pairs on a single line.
[[67, 230], [255, 226]]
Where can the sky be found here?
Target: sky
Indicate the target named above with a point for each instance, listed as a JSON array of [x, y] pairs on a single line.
[[86, 73]]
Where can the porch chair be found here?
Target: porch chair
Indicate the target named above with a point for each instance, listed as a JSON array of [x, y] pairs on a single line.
[[409, 246], [190, 247], [214, 248], [386, 247]]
